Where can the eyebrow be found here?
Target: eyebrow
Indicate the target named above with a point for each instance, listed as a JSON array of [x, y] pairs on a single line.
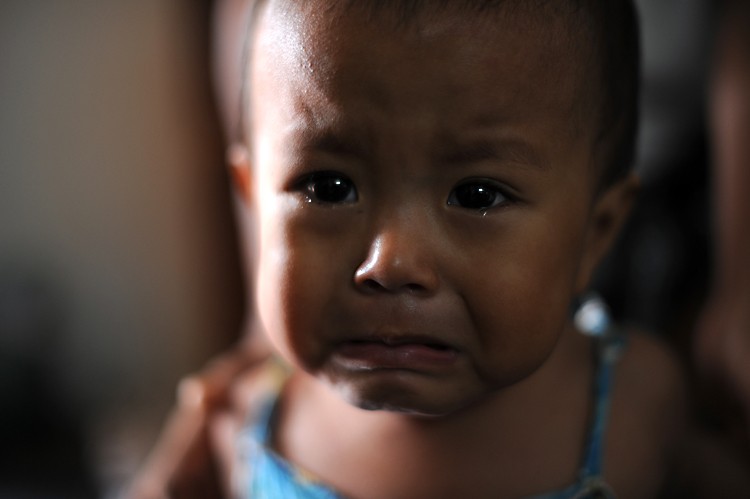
[[328, 138], [328, 141], [499, 150]]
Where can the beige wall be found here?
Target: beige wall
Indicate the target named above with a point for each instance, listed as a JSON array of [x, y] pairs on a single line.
[[113, 200]]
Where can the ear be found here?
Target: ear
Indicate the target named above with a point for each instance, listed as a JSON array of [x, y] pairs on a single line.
[[610, 212], [238, 163]]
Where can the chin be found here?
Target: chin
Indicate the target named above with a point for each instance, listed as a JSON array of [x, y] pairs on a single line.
[[402, 399], [409, 409]]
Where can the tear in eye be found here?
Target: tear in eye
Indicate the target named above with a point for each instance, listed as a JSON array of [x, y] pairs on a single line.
[[478, 196], [329, 187]]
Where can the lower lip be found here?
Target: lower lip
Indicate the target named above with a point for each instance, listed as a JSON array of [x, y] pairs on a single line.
[[408, 356]]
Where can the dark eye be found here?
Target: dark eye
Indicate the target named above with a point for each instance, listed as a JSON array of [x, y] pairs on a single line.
[[329, 187], [477, 195]]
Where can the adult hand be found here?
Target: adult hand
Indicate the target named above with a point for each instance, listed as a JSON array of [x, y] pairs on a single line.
[[193, 455]]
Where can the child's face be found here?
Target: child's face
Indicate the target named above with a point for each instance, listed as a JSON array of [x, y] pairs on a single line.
[[424, 198]]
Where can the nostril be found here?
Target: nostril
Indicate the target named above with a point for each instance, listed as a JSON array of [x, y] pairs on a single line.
[[395, 265], [415, 288], [376, 286], [373, 285]]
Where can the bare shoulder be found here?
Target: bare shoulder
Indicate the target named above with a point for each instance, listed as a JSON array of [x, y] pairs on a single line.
[[650, 374], [648, 417]]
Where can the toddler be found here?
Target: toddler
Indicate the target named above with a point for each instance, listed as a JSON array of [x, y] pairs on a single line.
[[432, 185]]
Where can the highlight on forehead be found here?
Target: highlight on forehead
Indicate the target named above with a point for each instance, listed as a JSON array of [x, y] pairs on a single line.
[[601, 37], [559, 24]]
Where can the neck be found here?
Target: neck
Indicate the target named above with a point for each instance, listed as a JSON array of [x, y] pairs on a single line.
[[548, 409]]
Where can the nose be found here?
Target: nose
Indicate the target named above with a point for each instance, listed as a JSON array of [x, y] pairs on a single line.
[[400, 259]]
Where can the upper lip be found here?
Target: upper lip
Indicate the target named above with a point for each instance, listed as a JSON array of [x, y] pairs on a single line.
[[400, 321], [398, 339]]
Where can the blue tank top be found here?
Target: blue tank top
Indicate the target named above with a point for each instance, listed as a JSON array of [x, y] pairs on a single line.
[[266, 475]]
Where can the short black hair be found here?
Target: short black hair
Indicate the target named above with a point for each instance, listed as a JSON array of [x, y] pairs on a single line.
[[620, 63], [614, 44]]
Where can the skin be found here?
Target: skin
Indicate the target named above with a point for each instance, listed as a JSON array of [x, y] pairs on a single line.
[[723, 335], [402, 261], [198, 435], [402, 118]]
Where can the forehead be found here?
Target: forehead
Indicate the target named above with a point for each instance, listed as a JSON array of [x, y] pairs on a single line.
[[448, 65]]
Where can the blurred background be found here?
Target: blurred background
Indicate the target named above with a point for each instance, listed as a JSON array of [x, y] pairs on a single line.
[[118, 262], [119, 267]]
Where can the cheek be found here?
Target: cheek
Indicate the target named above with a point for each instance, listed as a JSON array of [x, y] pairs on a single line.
[[518, 327], [520, 301], [286, 293], [300, 276]]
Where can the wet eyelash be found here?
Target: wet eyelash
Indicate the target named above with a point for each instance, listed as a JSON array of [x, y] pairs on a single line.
[[328, 188], [479, 195]]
